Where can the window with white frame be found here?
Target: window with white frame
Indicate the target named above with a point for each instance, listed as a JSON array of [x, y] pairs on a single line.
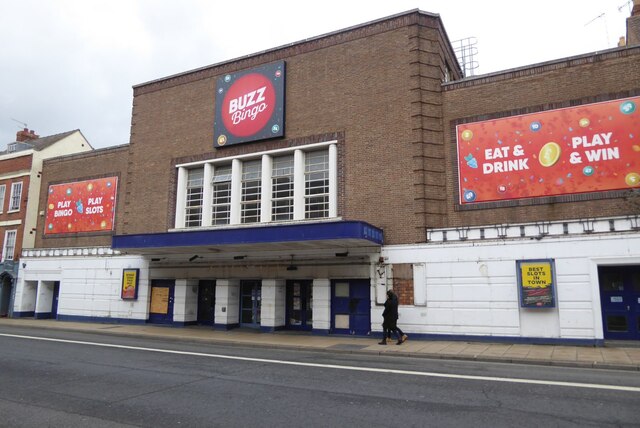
[[9, 245], [300, 183], [221, 195], [282, 188], [316, 182], [193, 206], [251, 188], [3, 189], [16, 194]]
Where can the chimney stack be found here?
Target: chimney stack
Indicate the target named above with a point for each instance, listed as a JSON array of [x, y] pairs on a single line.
[[633, 25], [26, 135]]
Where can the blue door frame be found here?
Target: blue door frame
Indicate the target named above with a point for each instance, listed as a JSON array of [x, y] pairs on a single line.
[[351, 307], [161, 306], [620, 301], [54, 300]]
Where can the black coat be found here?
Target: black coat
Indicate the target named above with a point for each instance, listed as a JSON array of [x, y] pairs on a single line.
[[390, 313]]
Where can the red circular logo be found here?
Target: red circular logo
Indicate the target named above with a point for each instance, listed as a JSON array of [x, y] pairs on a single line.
[[248, 105]]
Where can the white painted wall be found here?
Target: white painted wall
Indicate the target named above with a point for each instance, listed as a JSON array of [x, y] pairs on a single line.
[[227, 309], [185, 300], [44, 297], [25, 296], [89, 286], [321, 304], [471, 287], [272, 311]]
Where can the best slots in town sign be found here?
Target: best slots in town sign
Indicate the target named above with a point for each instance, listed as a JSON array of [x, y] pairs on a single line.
[[81, 206], [250, 105], [589, 148]]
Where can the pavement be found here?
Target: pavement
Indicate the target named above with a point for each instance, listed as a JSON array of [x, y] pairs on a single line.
[[618, 356]]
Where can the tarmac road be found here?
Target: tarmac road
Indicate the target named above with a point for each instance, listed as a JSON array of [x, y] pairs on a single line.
[[76, 378]]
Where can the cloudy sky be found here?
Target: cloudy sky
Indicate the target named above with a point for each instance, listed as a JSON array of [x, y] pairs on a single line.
[[71, 64]]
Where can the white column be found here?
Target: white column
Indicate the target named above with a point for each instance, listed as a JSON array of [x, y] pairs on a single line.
[[273, 304], [25, 297], [44, 297], [321, 305], [236, 191], [333, 180], [378, 271], [185, 301], [207, 194], [265, 195], [181, 197], [298, 185], [227, 310]]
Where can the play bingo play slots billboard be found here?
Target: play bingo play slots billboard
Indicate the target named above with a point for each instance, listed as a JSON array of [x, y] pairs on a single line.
[[589, 148], [81, 206], [250, 105]]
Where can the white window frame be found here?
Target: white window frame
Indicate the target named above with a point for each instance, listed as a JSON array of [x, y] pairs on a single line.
[[16, 196], [192, 207], [8, 251], [264, 196], [251, 191], [316, 184], [221, 204], [282, 191], [3, 191]]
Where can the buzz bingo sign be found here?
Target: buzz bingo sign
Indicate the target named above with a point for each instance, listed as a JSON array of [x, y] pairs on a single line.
[[81, 206], [589, 148], [250, 105]]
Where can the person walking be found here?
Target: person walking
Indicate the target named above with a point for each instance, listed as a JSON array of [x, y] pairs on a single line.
[[390, 320]]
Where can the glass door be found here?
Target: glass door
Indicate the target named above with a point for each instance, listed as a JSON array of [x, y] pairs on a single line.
[[250, 303], [206, 302], [299, 305]]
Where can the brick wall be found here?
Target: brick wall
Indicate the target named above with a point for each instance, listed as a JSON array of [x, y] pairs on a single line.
[[557, 84], [15, 165], [375, 86], [107, 162], [403, 282]]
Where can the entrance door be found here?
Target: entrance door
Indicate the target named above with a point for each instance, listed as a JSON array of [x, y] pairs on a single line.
[[206, 302], [299, 310], [620, 300], [351, 307], [6, 282], [161, 307], [250, 303], [54, 301]]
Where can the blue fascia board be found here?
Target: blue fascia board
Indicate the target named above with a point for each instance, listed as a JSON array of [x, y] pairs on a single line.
[[254, 235]]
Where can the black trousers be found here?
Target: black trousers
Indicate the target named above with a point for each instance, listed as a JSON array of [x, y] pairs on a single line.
[[388, 328]]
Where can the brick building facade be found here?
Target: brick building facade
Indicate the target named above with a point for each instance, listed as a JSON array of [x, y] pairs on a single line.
[[361, 193]]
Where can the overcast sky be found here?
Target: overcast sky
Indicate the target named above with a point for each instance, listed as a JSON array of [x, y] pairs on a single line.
[[71, 64]]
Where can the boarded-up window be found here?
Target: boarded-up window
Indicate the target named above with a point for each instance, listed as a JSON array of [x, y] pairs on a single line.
[[403, 282]]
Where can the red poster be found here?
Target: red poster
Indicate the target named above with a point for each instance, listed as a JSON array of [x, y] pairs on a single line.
[[82, 206], [590, 148]]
